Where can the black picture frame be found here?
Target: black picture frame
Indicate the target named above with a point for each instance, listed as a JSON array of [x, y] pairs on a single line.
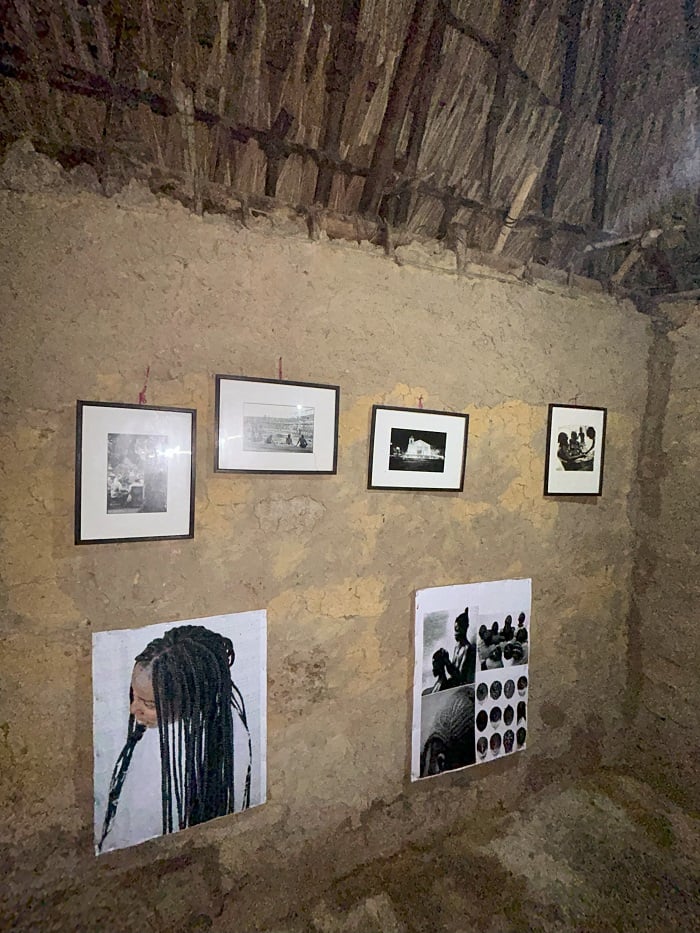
[[134, 472], [417, 449], [575, 453], [275, 426]]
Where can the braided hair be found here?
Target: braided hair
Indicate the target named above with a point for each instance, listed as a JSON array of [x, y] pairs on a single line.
[[195, 699]]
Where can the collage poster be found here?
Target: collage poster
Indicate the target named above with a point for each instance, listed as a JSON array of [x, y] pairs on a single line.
[[179, 722], [471, 681]]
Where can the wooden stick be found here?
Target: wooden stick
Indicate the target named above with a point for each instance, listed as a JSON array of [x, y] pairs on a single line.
[[550, 184], [509, 13], [691, 295], [399, 94], [491, 46], [632, 258], [339, 72], [614, 12], [184, 100], [516, 209]]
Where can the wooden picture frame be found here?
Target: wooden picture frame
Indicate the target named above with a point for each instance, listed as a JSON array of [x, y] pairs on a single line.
[[417, 449], [134, 472], [575, 450], [275, 426]]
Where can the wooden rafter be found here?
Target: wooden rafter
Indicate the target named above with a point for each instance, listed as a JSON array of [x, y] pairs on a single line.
[[492, 47], [506, 31], [429, 71], [400, 92], [550, 183], [339, 72], [614, 12]]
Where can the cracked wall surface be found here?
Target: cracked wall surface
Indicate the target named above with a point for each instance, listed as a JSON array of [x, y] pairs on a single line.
[[93, 290]]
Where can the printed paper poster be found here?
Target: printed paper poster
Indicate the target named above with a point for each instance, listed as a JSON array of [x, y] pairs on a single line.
[[179, 718], [471, 680]]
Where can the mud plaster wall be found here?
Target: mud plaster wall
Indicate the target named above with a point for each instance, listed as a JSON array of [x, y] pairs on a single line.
[[664, 649], [92, 290]]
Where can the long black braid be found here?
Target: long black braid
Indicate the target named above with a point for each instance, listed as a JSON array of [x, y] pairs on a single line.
[[195, 699]]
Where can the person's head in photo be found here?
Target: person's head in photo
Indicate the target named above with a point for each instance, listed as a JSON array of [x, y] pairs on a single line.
[[462, 627], [482, 720], [508, 740], [521, 619], [495, 743], [181, 687], [482, 691], [495, 714], [495, 690], [509, 689], [450, 743], [522, 684], [508, 630], [521, 735], [522, 711], [482, 746], [508, 715]]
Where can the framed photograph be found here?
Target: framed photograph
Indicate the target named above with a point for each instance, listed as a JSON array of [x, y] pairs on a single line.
[[271, 426], [134, 473], [412, 448], [575, 449]]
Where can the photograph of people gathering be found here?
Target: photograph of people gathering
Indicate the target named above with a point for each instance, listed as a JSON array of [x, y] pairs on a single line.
[[576, 448]]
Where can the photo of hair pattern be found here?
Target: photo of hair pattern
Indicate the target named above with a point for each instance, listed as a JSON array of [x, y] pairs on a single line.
[[192, 700]]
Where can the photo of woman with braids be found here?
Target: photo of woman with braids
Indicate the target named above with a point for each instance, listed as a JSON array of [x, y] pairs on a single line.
[[192, 697]]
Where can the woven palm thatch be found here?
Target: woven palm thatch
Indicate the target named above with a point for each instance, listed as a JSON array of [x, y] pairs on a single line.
[[528, 128]]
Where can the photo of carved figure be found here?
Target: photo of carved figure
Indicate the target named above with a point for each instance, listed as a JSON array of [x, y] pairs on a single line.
[[179, 726]]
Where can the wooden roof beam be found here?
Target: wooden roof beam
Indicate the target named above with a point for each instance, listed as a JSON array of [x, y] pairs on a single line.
[[614, 13], [492, 47], [402, 86], [508, 16], [572, 25], [339, 73], [423, 95]]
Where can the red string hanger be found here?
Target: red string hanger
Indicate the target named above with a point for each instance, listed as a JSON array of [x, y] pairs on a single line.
[[420, 401], [142, 393]]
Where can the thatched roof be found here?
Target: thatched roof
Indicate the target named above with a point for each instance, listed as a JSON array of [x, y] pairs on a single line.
[[533, 129]]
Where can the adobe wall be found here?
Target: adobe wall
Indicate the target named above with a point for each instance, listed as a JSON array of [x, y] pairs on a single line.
[[664, 647], [93, 290]]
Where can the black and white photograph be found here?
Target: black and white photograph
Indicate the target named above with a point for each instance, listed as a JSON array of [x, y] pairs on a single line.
[[179, 721], [417, 449], [471, 645], [137, 473], [423, 452], [134, 472], [447, 731], [575, 447], [282, 428], [275, 426]]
